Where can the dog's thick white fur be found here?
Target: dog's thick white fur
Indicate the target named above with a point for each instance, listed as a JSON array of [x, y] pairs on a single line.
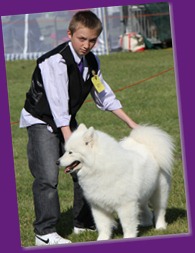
[[127, 177]]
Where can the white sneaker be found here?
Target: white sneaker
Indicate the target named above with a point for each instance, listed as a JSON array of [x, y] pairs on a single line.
[[77, 230], [50, 239]]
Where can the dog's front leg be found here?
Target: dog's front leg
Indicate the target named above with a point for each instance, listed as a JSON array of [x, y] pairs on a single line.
[[104, 223], [128, 215]]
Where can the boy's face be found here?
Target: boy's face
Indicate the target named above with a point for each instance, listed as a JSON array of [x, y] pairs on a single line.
[[83, 40]]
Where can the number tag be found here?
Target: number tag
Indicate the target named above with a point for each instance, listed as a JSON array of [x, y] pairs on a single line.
[[97, 83]]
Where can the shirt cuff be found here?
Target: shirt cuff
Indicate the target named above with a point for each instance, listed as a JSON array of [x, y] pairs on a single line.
[[114, 105], [63, 121]]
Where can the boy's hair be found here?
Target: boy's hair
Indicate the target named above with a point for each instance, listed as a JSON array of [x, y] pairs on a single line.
[[87, 19]]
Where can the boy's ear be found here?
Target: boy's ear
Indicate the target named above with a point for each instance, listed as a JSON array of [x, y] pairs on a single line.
[[89, 137], [69, 34]]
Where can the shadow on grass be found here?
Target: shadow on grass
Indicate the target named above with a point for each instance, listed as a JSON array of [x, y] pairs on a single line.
[[172, 215], [65, 224]]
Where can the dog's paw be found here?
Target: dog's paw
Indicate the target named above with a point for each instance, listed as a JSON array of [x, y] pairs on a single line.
[[130, 235], [103, 237], [161, 226]]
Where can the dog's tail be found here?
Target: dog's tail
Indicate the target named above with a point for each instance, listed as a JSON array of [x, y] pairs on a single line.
[[159, 142]]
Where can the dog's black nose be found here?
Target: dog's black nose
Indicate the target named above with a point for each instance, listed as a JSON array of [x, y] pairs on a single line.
[[58, 162]]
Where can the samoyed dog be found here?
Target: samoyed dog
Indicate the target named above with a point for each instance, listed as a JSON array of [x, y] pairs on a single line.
[[130, 178]]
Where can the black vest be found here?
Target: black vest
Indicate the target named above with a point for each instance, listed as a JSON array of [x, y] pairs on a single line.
[[36, 102]]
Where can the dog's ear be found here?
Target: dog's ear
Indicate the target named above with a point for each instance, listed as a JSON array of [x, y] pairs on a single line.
[[82, 127], [89, 137]]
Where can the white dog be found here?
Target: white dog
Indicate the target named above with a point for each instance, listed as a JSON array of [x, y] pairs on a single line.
[[122, 177]]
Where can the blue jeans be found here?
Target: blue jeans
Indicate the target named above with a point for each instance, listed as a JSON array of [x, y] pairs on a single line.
[[44, 149]]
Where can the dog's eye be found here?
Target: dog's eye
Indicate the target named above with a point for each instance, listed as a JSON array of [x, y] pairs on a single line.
[[86, 143], [70, 152]]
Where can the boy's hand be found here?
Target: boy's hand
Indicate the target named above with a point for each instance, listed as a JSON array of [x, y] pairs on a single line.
[[66, 132]]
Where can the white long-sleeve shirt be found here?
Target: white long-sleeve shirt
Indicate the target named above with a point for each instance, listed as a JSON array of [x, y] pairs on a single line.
[[55, 79]]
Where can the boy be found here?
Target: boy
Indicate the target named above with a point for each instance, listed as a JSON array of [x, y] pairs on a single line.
[[58, 89]]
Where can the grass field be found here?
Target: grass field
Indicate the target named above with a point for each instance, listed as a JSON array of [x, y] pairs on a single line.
[[145, 84]]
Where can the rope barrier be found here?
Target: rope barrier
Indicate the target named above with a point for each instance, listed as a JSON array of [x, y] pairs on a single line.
[[141, 81], [126, 87]]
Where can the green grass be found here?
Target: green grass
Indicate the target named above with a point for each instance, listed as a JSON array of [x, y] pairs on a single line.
[[151, 101]]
